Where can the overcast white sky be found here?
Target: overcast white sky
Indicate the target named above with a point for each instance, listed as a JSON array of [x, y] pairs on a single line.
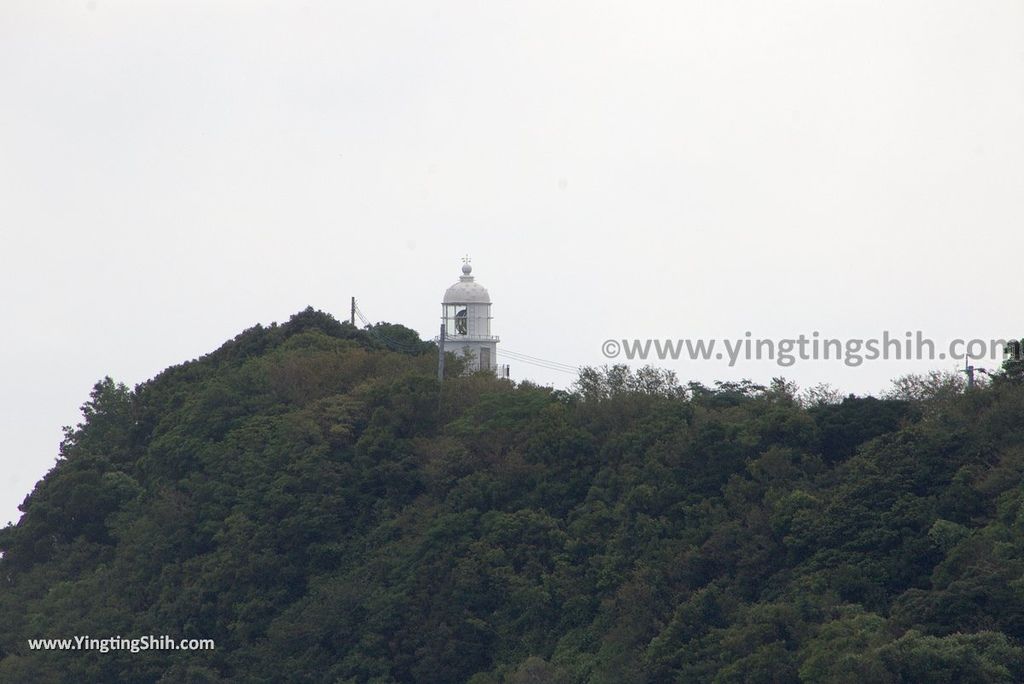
[[174, 172]]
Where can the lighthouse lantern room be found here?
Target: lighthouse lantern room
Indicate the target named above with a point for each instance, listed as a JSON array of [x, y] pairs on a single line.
[[466, 316]]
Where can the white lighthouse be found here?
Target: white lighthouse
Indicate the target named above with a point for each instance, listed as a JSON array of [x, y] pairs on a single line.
[[466, 320]]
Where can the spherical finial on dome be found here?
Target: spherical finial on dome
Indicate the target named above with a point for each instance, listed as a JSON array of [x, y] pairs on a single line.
[[467, 290]]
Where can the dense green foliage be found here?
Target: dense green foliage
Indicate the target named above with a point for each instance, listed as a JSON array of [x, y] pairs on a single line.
[[302, 497]]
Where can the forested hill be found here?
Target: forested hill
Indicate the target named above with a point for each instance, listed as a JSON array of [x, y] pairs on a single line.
[[302, 497]]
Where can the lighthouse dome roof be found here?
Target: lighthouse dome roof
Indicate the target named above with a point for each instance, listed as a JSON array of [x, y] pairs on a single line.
[[467, 290]]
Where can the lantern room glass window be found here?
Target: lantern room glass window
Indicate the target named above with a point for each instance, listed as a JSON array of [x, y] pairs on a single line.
[[467, 320], [456, 319]]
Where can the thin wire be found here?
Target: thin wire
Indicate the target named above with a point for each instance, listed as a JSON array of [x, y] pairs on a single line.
[[387, 340], [537, 358], [502, 355], [537, 363], [528, 359]]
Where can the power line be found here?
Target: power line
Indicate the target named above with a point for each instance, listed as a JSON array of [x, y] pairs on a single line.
[[541, 363], [534, 362], [381, 337], [537, 358], [547, 363]]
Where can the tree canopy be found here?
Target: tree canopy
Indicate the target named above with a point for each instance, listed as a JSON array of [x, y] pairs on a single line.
[[306, 497]]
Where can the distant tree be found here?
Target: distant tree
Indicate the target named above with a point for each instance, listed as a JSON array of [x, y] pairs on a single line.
[[981, 658], [822, 394], [110, 417], [536, 670], [934, 386], [783, 390], [399, 338], [845, 426], [596, 383], [1013, 362]]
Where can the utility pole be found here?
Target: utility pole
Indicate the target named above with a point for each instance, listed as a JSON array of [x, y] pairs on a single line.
[[352, 314], [440, 355], [970, 370]]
